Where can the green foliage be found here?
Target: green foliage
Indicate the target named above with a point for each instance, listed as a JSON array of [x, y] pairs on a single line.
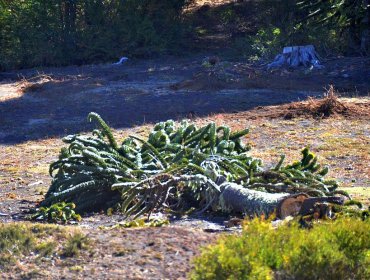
[[350, 18], [348, 211], [106, 131], [266, 43], [179, 165], [330, 250], [152, 26], [145, 173], [45, 249], [74, 244], [334, 26], [141, 222], [56, 213], [60, 32]]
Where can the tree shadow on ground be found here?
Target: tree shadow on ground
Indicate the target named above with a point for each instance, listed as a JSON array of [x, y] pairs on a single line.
[[40, 115]]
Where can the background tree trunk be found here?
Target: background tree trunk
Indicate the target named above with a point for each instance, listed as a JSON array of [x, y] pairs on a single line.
[[365, 31]]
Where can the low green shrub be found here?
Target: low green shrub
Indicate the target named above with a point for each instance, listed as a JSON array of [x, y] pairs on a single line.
[[57, 213], [330, 250], [266, 43], [46, 248]]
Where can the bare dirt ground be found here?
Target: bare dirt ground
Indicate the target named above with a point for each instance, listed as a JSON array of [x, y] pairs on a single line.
[[44, 105]]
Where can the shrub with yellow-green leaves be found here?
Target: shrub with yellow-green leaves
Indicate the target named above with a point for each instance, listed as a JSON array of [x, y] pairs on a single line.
[[61, 212], [330, 250]]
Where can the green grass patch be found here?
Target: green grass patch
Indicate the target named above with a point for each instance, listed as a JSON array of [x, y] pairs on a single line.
[[361, 194], [330, 250], [15, 240], [75, 243], [46, 248], [28, 242]]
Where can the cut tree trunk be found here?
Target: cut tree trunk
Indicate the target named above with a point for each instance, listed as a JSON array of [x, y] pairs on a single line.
[[236, 198], [295, 56], [309, 205]]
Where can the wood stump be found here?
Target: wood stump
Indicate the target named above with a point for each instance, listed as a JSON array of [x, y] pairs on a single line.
[[295, 56]]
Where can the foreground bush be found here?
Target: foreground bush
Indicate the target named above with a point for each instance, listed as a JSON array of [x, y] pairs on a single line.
[[335, 250]]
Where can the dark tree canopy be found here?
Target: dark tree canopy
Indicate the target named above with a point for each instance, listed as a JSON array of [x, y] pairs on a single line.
[[59, 32], [351, 16], [62, 32]]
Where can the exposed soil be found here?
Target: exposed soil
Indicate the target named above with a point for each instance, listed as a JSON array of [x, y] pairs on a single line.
[[147, 253], [55, 101], [46, 104]]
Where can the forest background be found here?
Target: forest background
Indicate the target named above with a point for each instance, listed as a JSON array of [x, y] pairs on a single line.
[[64, 32]]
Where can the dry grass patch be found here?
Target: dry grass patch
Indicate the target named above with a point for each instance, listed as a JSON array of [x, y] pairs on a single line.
[[27, 243], [34, 83]]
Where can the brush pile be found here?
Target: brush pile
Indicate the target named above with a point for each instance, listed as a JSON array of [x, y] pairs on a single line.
[[179, 166], [328, 106]]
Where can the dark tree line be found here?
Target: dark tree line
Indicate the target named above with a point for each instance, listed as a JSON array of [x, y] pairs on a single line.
[[62, 32], [59, 32]]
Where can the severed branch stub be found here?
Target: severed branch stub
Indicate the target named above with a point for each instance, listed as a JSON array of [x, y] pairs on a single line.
[[294, 56]]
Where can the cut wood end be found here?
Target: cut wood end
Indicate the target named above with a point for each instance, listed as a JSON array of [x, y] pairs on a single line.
[[290, 206]]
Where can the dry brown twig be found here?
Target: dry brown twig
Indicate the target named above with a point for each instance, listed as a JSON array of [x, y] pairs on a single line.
[[33, 83]]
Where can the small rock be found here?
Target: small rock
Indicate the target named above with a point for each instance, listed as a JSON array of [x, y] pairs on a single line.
[[36, 183], [165, 68], [121, 61]]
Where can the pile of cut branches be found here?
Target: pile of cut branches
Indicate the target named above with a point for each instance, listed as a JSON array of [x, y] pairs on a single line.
[[329, 105], [179, 166]]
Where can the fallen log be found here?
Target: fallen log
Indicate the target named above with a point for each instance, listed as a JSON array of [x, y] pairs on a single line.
[[236, 198], [310, 204]]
